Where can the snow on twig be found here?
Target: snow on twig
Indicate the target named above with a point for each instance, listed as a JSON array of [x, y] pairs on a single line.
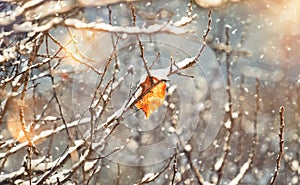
[[9, 19], [75, 167], [154, 28], [45, 134], [247, 165], [150, 177], [29, 27], [24, 70], [89, 3], [12, 175], [243, 170], [38, 165], [58, 162]]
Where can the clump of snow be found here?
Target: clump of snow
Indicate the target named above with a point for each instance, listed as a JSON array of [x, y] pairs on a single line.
[[9, 19], [172, 89], [212, 3], [149, 177], [235, 115], [241, 174], [171, 129], [185, 20], [48, 8], [219, 163], [227, 124], [29, 27], [226, 106], [188, 147], [185, 62], [50, 118], [8, 54], [88, 3], [209, 3]]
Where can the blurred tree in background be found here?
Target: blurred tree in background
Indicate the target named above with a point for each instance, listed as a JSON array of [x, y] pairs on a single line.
[[72, 72]]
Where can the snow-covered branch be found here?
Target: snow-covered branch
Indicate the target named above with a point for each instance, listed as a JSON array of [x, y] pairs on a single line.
[[11, 17], [152, 29], [43, 135]]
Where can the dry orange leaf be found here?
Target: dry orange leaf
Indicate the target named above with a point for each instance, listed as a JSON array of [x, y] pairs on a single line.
[[154, 97]]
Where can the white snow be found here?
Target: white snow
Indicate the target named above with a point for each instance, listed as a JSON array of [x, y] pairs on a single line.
[[16, 80], [171, 129], [115, 115], [295, 165], [116, 84], [8, 53], [188, 147], [172, 89], [45, 134], [88, 165], [155, 28], [18, 11], [228, 26], [4, 177], [185, 20], [226, 106], [219, 163], [88, 3], [29, 27], [149, 176], [161, 74], [209, 3], [227, 124], [235, 115], [50, 118], [241, 174], [185, 62], [48, 8]]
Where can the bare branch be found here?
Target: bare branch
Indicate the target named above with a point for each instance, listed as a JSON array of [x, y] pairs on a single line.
[[151, 177], [174, 168], [220, 164], [281, 146], [248, 164]]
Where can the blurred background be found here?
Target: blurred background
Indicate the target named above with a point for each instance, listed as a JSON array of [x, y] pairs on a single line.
[[253, 45]]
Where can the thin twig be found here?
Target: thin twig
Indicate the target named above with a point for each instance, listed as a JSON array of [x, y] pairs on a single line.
[[281, 145], [155, 60], [240, 117], [28, 134], [257, 101], [229, 130], [119, 174], [155, 176], [248, 164], [208, 26], [195, 59], [141, 46], [61, 113], [174, 167]]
